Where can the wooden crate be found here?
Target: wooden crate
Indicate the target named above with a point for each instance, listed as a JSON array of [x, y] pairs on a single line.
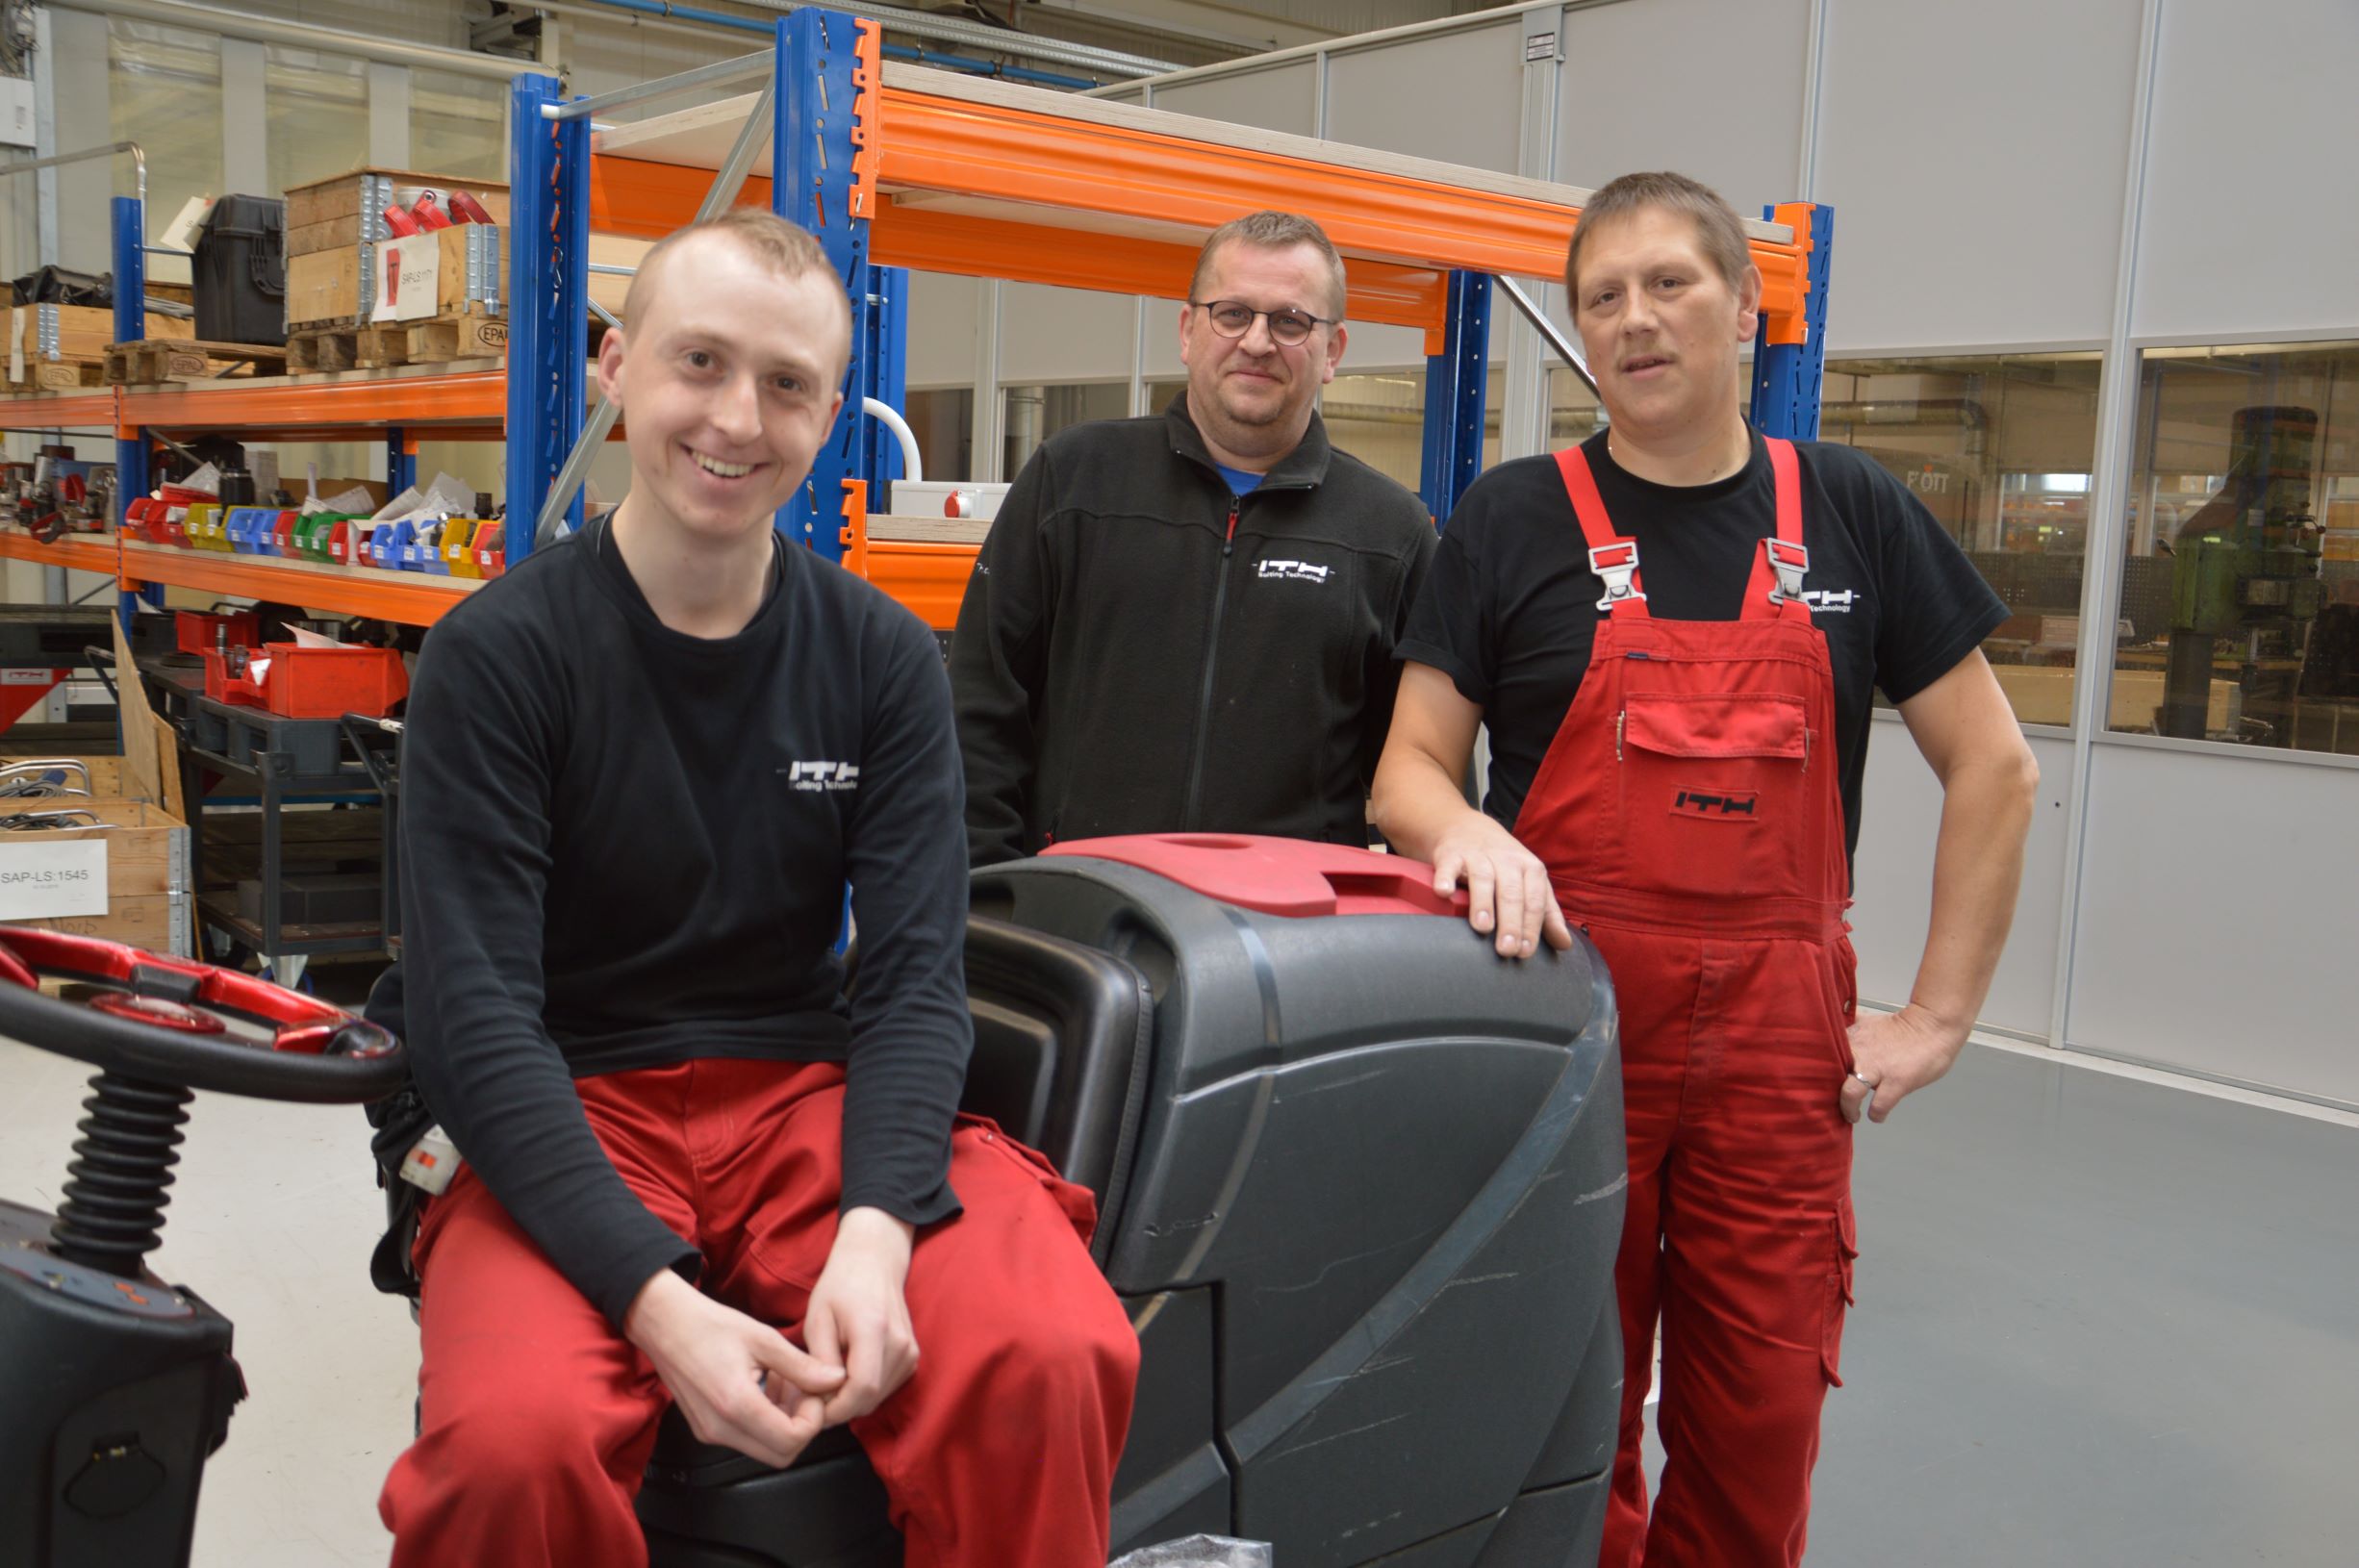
[[323, 289], [340, 212], [146, 852], [147, 363], [73, 335]]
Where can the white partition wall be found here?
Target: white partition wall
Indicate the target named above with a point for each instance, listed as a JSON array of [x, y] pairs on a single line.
[[1974, 156], [1278, 98], [1893, 879], [2219, 933], [1702, 87], [2253, 173]]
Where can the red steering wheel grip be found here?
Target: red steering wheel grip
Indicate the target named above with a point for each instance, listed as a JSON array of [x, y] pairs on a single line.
[[160, 1019]]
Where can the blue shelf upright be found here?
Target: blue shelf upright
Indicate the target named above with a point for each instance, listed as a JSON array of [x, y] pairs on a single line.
[[129, 238], [548, 294], [1456, 384], [1786, 377], [826, 68]]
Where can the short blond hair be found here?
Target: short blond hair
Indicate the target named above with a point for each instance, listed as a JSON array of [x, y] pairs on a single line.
[[788, 250], [1717, 227], [1272, 230]]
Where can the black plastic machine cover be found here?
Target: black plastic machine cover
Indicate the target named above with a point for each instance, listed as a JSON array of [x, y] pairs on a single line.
[[1362, 1184]]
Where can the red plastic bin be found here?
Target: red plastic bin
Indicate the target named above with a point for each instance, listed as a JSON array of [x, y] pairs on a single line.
[[297, 682]]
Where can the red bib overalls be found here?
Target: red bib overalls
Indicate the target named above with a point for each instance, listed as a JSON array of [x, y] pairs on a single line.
[[1689, 815]]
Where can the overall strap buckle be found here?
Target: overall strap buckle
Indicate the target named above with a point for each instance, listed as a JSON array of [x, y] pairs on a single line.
[[1617, 566], [1790, 563]]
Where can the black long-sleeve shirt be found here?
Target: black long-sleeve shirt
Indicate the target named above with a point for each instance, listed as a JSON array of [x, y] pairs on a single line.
[[624, 847]]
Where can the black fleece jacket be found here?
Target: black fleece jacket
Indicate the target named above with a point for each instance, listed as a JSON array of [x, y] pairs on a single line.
[[1139, 651]]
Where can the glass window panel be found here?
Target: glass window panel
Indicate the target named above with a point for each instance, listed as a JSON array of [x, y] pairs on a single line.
[[2241, 582], [458, 125], [165, 94], [943, 421], [2000, 449], [1032, 414], [1574, 413], [316, 109], [1379, 418]]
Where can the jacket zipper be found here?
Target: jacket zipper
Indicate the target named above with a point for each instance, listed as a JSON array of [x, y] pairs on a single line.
[[1212, 658]]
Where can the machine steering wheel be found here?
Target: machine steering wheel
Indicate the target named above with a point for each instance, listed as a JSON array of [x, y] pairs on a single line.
[[169, 1021], [158, 1028]]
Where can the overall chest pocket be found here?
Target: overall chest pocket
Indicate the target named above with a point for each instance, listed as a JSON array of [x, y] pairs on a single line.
[[1715, 791]]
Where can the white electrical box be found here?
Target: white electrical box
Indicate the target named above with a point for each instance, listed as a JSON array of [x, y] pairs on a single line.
[[963, 498], [16, 111]]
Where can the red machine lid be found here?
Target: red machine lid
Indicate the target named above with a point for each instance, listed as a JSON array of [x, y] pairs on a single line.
[[1279, 876]]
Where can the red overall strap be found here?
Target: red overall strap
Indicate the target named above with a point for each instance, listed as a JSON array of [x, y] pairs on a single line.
[[1614, 560], [1767, 598]]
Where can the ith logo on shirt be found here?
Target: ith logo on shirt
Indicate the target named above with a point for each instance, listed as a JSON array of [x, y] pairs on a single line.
[[1716, 805], [1824, 599], [1298, 571], [822, 775]]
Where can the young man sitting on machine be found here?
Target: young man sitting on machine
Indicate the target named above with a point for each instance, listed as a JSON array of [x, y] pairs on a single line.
[[640, 769]]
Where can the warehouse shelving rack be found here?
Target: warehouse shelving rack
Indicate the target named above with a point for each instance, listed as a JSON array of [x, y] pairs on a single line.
[[896, 167]]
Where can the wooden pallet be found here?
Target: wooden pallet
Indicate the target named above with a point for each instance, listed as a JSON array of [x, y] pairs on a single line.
[[61, 375], [148, 362], [458, 337], [430, 342]]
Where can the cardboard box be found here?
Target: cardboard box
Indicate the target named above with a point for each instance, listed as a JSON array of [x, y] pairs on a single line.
[[127, 882], [346, 210]]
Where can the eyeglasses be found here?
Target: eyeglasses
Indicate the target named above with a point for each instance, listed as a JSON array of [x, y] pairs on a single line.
[[1234, 318]]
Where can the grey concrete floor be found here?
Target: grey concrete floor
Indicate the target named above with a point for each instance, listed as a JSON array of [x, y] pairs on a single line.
[[2103, 1323]]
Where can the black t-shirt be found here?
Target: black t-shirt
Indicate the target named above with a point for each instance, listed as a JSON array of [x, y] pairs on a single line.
[[630, 850], [1509, 606]]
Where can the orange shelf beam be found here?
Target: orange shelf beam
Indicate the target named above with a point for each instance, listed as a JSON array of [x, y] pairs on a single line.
[[83, 552], [927, 580], [646, 201], [477, 398], [988, 247], [408, 597], [58, 411], [939, 144]]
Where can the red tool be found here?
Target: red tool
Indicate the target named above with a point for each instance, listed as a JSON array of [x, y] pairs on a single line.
[[400, 223], [466, 209], [429, 217]]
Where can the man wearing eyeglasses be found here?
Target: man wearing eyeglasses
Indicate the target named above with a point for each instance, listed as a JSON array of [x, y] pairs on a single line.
[[1185, 622]]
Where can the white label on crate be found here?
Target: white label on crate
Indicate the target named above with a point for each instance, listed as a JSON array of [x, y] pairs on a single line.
[[409, 278], [45, 881]]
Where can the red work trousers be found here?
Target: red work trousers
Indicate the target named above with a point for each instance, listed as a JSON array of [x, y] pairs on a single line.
[[1738, 1239], [538, 1417]]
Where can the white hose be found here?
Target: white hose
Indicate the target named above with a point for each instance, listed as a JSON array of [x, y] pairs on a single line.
[[913, 466]]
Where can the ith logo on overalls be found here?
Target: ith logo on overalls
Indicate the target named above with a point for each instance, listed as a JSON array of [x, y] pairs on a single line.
[[1719, 806]]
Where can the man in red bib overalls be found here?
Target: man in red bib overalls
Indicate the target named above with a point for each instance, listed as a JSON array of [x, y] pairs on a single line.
[[1672, 632]]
